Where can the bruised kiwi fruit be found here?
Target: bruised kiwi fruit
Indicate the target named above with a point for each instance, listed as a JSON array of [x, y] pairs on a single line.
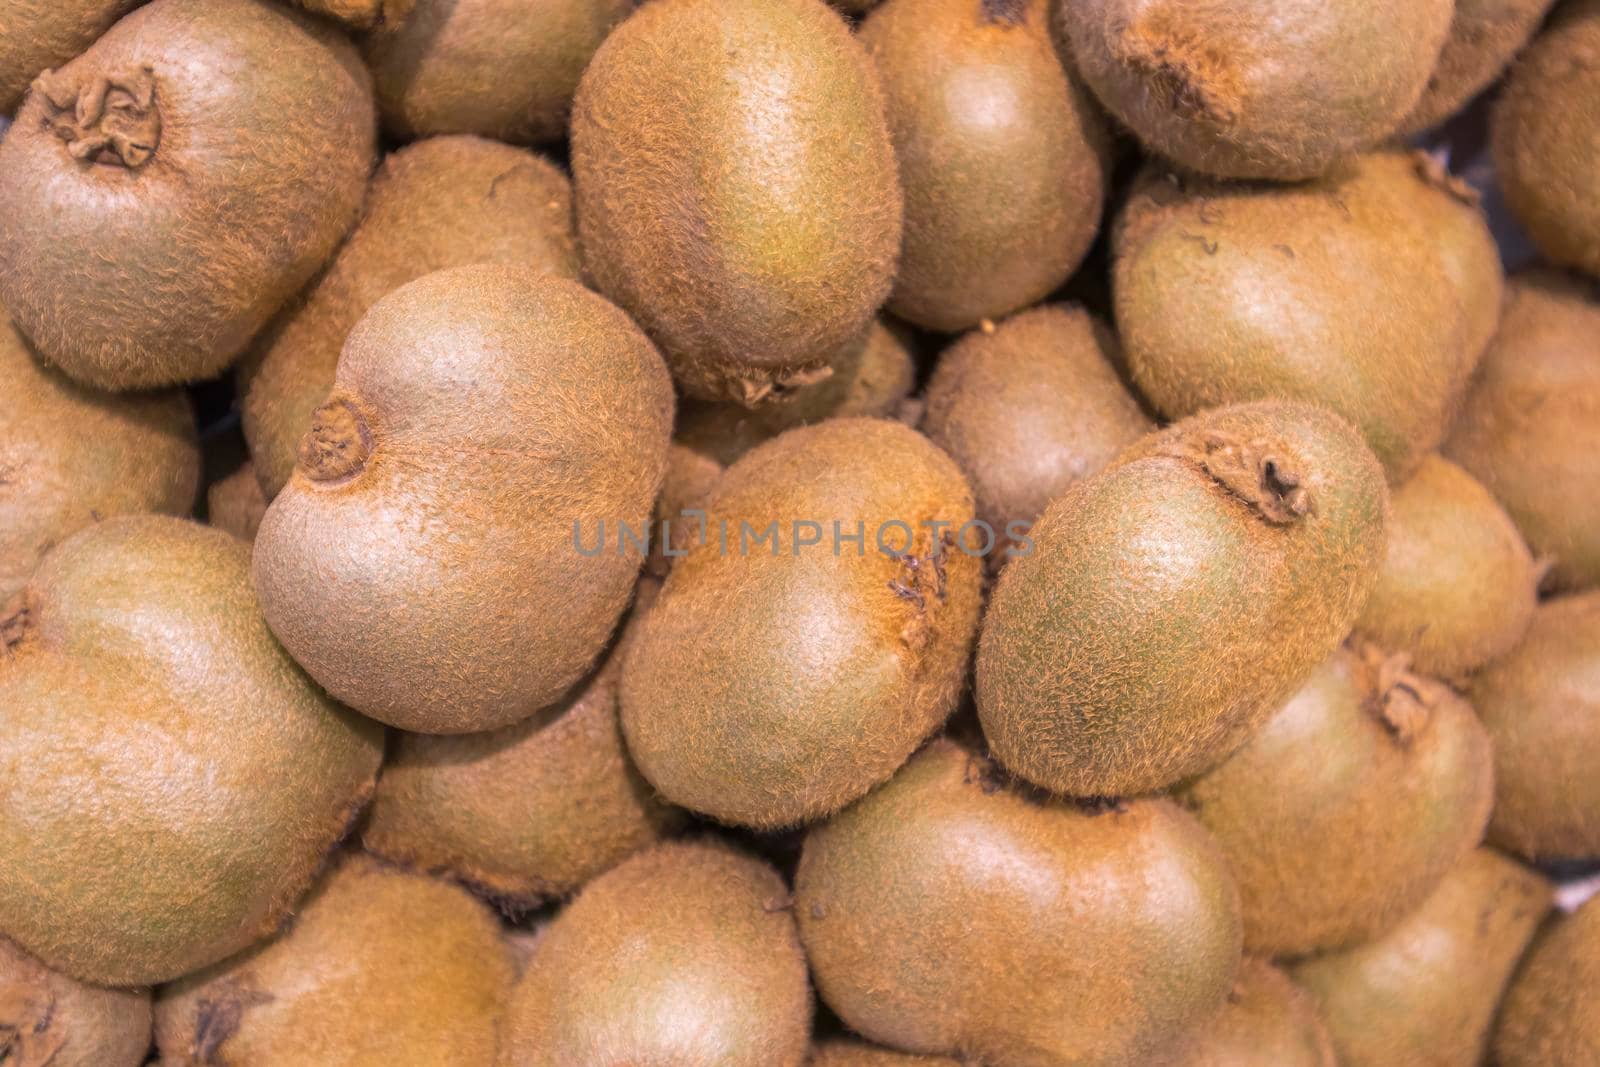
[[815, 635], [1350, 805], [440, 203], [38, 34], [1424, 994], [1485, 35], [950, 913], [1003, 156], [160, 208], [685, 954], [1551, 1013], [184, 779], [236, 503], [752, 269], [842, 1052], [480, 416], [1245, 539], [379, 967], [1267, 1021], [50, 1020]]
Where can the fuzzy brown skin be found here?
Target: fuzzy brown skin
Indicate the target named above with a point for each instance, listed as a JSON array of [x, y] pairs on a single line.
[[1425, 993], [751, 267], [1485, 35], [440, 203], [1267, 1021], [773, 685], [841, 1052], [1171, 602], [38, 34], [1458, 585], [1003, 156], [1347, 292], [690, 480], [947, 913], [1530, 425], [685, 955], [380, 967], [236, 503], [70, 457], [1350, 805], [1029, 407], [362, 14], [49, 1020], [1547, 141], [1551, 1013], [145, 244], [499, 68], [427, 534], [183, 778], [1541, 705]]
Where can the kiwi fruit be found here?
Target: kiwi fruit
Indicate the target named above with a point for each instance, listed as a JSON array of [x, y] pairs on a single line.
[[685, 954], [1280, 89], [1424, 994], [443, 202], [1029, 406], [481, 417], [361, 14], [236, 503], [1267, 1021], [1350, 805], [49, 1020], [1546, 142], [784, 670], [841, 1052], [687, 485], [1530, 425], [949, 913], [752, 268], [1541, 705], [38, 34], [1551, 1013], [160, 208], [1245, 539], [184, 780], [444, 67], [1458, 585], [379, 966], [1003, 156], [70, 456], [1485, 35], [1359, 288]]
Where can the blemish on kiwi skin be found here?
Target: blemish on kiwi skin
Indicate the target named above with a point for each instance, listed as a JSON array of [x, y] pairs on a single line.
[[1253, 471], [338, 445], [217, 1018], [1009, 12], [1179, 70]]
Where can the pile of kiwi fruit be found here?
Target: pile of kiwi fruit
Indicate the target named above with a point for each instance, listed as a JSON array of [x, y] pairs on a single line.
[[799, 533]]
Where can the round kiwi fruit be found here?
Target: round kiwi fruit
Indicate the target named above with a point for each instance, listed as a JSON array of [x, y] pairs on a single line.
[[160, 207], [1267, 1021], [1485, 35], [1424, 994], [362, 14], [184, 779], [687, 486], [481, 418], [949, 913], [685, 954], [1245, 539], [236, 503], [1541, 705], [1530, 425], [1458, 585], [38, 34], [841, 1052], [1546, 138], [1003, 156], [1028, 407], [1551, 1013], [784, 670], [752, 258], [379, 966], [443, 202], [1350, 805], [1278, 89], [70, 457], [49, 1020], [442, 69]]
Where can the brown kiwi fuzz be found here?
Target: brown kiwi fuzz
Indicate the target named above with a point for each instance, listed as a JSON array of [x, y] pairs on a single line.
[[236, 503], [1089, 676], [150, 125], [40, 34], [842, 1052], [1551, 1013], [1426, 991], [1485, 36], [362, 14], [50, 1020], [1266, 1021], [677, 520]]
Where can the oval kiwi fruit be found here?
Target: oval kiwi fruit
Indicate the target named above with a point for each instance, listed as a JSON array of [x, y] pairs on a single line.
[[1003, 156], [39, 34], [1245, 539], [752, 259], [1485, 35], [1458, 585], [685, 954], [184, 780], [785, 671], [1551, 1013], [160, 208], [440, 203], [949, 913], [1424, 994], [49, 1020], [1541, 705], [379, 966], [841, 1052], [1267, 1021], [480, 417], [236, 503], [1278, 89]]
